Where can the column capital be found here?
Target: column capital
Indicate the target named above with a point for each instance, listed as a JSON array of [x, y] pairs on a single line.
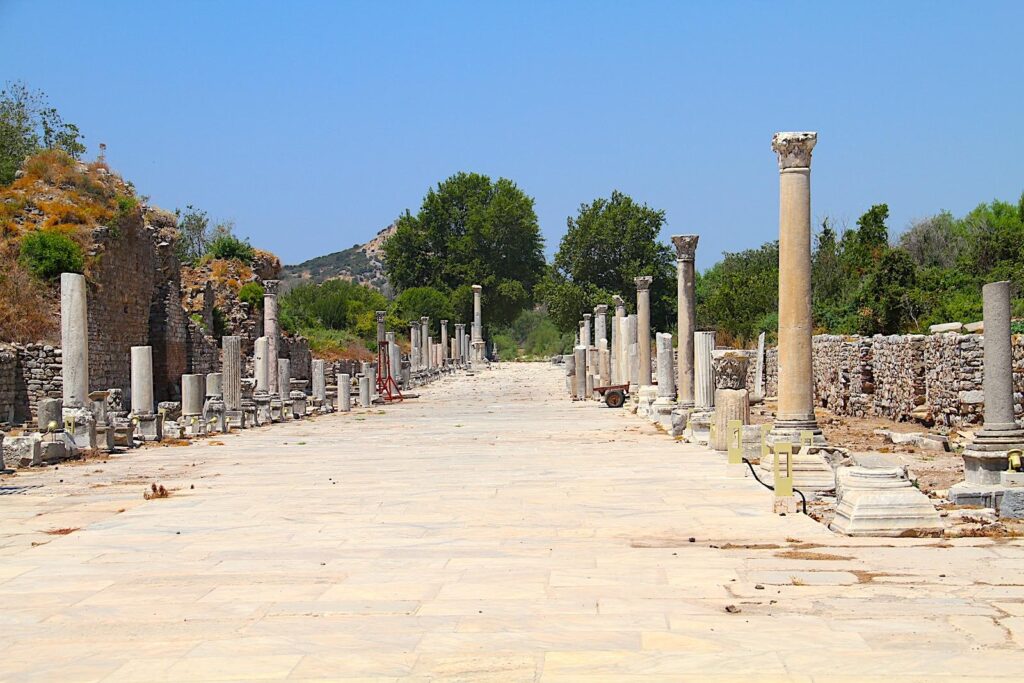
[[601, 309], [618, 300], [643, 282], [425, 320], [794, 149], [270, 287], [477, 289], [444, 323], [686, 247], [587, 316], [379, 316]]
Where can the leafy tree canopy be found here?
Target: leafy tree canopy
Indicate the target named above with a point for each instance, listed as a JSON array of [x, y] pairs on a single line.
[[471, 230], [609, 243], [416, 302], [28, 124]]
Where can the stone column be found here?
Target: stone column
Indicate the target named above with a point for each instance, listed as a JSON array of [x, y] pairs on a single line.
[[580, 354], [478, 329], [74, 339], [460, 341], [231, 369], [214, 385], [600, 323], [425, 342], [364, 392], [272, 332], [604, 362], [319, 381], [759, 369], [193, 395], [796, 387], [986, 456], [666, 371], [394, 357], [686, 249], [588, 337], [704, 374], [142, 380], [643, 328], [731, 399], [619, 374], [284, 377], [344, 393], [414, 346], [261, 364], [632, 356], [444, 342]]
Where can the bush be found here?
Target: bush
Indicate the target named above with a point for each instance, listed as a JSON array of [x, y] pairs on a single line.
[[48, 254], [227, 246], [252, 293]]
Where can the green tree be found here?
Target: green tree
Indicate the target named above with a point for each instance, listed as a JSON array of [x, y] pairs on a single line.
[[471, 230], [193, 234], [607, 245], [29, 124], [416, 302], [48, 254], [739, 295]]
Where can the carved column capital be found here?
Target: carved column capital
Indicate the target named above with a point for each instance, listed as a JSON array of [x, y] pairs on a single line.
[[643, 282], [686, 247], [794, 149], [379, 316], [270, 287], [601, 309]]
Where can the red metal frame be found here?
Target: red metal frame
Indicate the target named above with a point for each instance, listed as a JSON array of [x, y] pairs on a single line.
[[387, 388]]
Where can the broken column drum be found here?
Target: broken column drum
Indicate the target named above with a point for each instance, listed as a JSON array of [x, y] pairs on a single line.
[[686, 315], [666, 378], [272, 332], [344, 393], [319, 382], [796, 388], [142, 380], [704, 374], [732, 401], [261, 364], [444, 342], [643, 328], [617, 335]]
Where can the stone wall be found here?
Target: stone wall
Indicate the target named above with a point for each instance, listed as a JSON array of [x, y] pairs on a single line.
[[28, 373], [933, 379], [8, 382], [202, 351]]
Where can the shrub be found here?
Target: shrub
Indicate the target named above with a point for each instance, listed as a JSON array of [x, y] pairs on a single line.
[[252, 293], [48, 254], [227, 246]]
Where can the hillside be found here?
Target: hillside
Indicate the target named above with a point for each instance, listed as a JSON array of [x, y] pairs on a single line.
[[361, 263]]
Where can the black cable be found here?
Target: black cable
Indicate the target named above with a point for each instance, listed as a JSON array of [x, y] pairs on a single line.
[[772, 488]]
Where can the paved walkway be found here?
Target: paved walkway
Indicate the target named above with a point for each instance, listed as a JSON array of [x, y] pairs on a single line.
[[490, 531]]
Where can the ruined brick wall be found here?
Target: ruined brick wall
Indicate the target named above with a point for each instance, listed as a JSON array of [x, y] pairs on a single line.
[[296, 349], [933, 379], [33, 370], [8, 384], [202, 351]]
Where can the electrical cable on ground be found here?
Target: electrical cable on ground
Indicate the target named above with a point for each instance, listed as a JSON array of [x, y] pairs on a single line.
[[768, 486]]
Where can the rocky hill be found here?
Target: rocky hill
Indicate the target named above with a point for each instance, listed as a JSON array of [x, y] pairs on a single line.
[[362, 263]]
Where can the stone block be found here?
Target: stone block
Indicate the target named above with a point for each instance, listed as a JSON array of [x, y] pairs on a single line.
[[52, 452], [975, 328], [23, 451], [1012, 504], [977, 495], [946, 327], [882, 502]]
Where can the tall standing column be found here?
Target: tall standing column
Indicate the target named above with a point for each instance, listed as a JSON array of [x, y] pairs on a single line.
[[632, 353], [142, 380], [74, 339], [588, 339], [425, 342], [666, 379], [460, 333], [478, 324], [986, 456], [319, 381], [271, 331], [414, 346], [704, 373], [444, 342], [643, 328], [796, 387], [600, 323], [231, 372], [686, 250], [618, 355], [284, 377]]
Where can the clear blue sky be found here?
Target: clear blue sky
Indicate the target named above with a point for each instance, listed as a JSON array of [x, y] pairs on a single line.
[[313, 125]]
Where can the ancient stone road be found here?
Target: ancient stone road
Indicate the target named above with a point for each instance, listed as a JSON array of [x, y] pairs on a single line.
[[491, 530]]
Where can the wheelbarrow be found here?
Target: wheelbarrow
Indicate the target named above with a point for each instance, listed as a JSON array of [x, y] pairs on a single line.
[[615, 395]]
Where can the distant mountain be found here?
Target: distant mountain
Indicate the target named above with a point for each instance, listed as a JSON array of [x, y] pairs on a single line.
[[362, 263]]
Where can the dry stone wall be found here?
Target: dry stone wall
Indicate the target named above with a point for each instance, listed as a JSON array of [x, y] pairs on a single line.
[[929, 378]]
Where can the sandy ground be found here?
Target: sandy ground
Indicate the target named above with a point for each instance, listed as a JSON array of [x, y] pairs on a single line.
[[491, 530]]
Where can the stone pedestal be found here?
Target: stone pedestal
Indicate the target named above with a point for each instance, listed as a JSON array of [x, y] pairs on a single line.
[[298, 399], [344, 393], [263, 414], [881, 502], [193, 399], [148, 425], [796, 388], [811, 472]]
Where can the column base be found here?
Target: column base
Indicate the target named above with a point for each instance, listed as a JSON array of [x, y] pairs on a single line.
[[790, 431], [149, 427]]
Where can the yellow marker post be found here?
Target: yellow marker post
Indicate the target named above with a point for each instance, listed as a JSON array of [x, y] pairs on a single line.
[[784, 501], [735, 445], [1015, 459]]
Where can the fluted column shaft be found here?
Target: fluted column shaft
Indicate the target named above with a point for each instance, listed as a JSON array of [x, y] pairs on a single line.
[[643, 328], [686, 320]]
